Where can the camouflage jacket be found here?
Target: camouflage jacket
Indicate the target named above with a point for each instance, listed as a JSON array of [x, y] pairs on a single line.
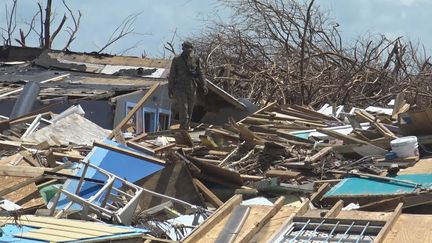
[[186, 73]]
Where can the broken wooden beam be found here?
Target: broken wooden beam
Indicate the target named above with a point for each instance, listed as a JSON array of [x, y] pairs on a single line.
[[335, 210], [213, 220], [140, 103], [207, 194], [32, 180], [128, 152], [140, 147], [390, 222], [283, 174], [21, 171], [251, 232]]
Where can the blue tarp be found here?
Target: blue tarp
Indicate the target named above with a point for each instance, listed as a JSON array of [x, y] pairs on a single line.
[[124, 166], [9, 230], [355, 186], [11, 233]]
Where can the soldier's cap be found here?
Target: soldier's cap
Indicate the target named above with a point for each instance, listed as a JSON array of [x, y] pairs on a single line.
[[187, 44]]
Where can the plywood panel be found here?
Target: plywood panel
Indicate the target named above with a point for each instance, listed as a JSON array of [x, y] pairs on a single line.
[[214, 233], [256, 214], [26, 197], [45, 237], [212, 226], [71, 224], [89, 232], [411, 228], [364, 215], [80, 224], [63, 233], [274, 224], [423, 166]]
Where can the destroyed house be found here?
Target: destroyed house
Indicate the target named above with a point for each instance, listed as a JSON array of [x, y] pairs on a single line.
[[106, 87]]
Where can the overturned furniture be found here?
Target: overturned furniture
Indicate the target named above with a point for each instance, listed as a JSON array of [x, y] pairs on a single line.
[[116, 201]]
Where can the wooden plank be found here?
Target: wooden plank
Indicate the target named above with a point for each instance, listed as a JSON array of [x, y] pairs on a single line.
[[301, 210], [66, 233], [10, 144], [128, 152], [343, 137], [251, 177], [323, 152], [210, 222], [71, 157], [223, 132], [300, 116], [375, 123], [165, 147], [386, 205], [255, 214], [274, 224], [217, 172], [233, 226], [410, 228], [44, 237], [318, 194], [390, 222], [208, 195], [335, 210], [283, 174], [21, 171], [140, 103], [423, 166], [246, 133], [12, 160], [151, 239], [251, 231], [28, 118], [234, 151], [265, 108], [31, 180], [50, 158], [76, 224], [140, 147], [141, 136], [313, 113], [28, 157]]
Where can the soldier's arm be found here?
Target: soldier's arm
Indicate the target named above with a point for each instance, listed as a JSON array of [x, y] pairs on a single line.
[[201, 80], [172, 74]]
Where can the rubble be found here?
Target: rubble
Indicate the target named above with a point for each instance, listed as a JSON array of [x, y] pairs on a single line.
[[282, 168]]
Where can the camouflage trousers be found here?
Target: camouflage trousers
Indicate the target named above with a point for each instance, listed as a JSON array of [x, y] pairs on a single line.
[[183, 103]]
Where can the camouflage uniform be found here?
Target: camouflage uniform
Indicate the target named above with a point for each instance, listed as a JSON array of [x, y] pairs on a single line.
[[184, 79]]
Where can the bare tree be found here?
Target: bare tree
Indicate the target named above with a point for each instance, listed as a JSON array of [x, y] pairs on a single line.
[[43, 32], [125, 28], [291, 52], [169, 46], [10, 23], [24, 35], [72, 31]]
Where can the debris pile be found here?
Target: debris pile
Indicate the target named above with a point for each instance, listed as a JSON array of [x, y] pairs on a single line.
[[276, 174]]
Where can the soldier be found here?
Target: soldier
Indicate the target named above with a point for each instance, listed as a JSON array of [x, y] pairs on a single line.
[[185, 79]]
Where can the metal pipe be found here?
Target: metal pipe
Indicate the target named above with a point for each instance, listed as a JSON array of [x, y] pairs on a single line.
[[346, 232], [361, 234], [300, 232]]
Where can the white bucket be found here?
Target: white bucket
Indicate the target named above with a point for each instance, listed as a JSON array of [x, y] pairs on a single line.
[[405, 146]]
